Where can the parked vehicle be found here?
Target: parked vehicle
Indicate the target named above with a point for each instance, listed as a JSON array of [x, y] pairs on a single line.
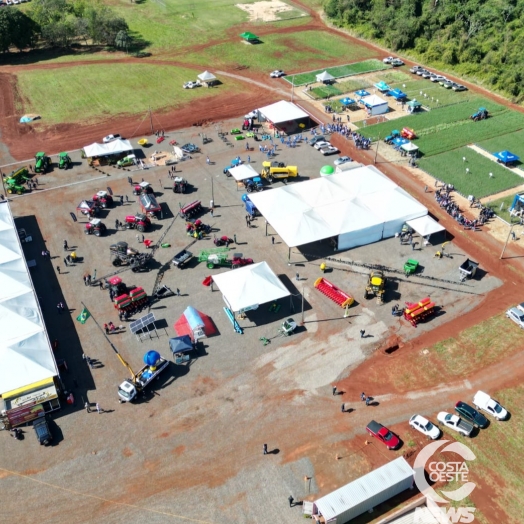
[[190, 148], [121, 254], [517, 316], [425, 427], [316, 139], [64, 161], [329, 150], [376, 286], [277, 73], [179, 185], [42, 162], [129, 160], [191, 84], [471, 414], [396, 62], [415, 68], [320, 144], [234, 163], [95, 227], [42, 431], [342, 160], [182, 258], [421, 71], [447, 85], [140, 222], [143, 187], [456, 423], [103, 199], [482, 401], [438, 78], [278, 173], [110, 138], [380, 432], [459, 87], [253, 184], [388, 59]]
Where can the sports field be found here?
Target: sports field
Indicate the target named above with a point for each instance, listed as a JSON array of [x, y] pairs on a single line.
[[83, 94], [357, 68], [451, 169]]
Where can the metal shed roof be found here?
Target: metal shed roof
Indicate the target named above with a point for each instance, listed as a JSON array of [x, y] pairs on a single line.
[[364, 488]]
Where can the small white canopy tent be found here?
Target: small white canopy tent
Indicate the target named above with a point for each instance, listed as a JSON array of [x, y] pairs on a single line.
[[242, 172], [410, 147], [111, 148], [249, 286], [282, 112], [425, 226], [206, 76], [325, 77], [25, 353]]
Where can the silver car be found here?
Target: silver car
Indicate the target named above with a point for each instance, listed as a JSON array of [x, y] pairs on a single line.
[[517, 316], [426, 427]]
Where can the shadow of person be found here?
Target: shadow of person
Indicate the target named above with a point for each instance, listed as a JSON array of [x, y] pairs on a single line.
[[275, 451]]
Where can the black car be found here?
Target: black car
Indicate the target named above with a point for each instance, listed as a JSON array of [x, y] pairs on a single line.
[[471, 414], [317, 138], [43, 433]]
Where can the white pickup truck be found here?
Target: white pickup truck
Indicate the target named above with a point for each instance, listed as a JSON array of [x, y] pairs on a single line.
[[483, 402], [456, 423]]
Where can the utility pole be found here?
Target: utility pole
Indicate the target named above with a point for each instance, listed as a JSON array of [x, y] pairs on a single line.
[[293, 88], [376, 151], [302, 321], [151, 121], [507, 240], [212, 189]]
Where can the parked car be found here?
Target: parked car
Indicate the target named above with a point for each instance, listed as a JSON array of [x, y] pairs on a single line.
[[438, 78], [191, 85], [383, 434], [315, 139], [416, 68], [329, 150], [426, 427], [517, 316], [110, 138], [482, 401], [459, 87], [426, 74], [128, 160], [388, 59], [471, 414], [190, 148], [321, 144], [42, 431], [420, 72], [456, 423], [277, 73], [397, 62], [342, 160], [448, 84]]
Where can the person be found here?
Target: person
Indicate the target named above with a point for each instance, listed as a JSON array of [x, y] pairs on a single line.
[[297, 277], [88, 409], [177, 292], [342, 408], [106, 328], [207, 160], [362, 333], [66, 247], [272, 240], [334, 390], [363, 396], [291, 499], [112, 327], [265, 449], [368, 401]]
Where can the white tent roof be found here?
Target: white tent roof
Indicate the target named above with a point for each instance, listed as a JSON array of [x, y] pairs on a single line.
[[425, 226], [250, 286], [206, 76], [329, 206], [410, 146], [373, 101], [111, 148], [243, 171], [25, 353], [282, 112], [322, 77]]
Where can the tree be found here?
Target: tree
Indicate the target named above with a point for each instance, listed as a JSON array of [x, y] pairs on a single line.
[[123, 40], [16, 29]]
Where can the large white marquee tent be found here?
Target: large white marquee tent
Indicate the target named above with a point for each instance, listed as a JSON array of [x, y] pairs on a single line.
[[26, 357], [111, 148], [357, 207], [282, 111]]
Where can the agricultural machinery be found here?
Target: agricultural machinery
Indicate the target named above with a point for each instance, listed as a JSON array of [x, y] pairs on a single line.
[[234, 163], [103, 199], [408, 133], [180, 185], [64, 161], [121, 255], [95, 227], [190, 210], [481, 114], [88, 208], [143, 188], [14, 183], [223, 241], [42, 162], [253, 184], [140, 222], [149, 204], [277, 173], [197, 229], [376, 286], [131, 302]]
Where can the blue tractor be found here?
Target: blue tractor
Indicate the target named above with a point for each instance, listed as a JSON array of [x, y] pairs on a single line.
[[394, 134]]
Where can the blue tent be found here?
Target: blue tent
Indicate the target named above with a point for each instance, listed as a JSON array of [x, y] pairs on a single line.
[[361, 93], [382, 86], [505, 157], [346, 101], [181, 344], [397, 94], [399, 141]]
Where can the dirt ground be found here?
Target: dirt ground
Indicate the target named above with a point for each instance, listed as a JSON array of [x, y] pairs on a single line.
[[266, 11]]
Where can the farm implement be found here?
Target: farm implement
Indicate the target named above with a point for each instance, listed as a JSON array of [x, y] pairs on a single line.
[[417, 311], [190, 210], [333, 292]]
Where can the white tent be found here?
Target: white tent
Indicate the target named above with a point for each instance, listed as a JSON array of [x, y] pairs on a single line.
[[249, 286], [425, 226], [358, 209], [375, 104], [111, 148], [206, 76], [282, 112], [243, 171], [325, 77], [410, 147], [25, 353]]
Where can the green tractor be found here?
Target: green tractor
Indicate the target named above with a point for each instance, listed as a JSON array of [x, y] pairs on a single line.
[[42, 162], [64, 161], [14, 183]]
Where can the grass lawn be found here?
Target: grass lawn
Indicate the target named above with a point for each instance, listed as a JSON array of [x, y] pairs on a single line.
[[87, 93], [501, 207], [278, 52], [450, 168], [435, 94], [339, 71], [325, 91], [513, 142]]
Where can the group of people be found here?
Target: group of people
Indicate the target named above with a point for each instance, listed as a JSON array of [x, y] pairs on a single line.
[[446, 202], [109, 328]]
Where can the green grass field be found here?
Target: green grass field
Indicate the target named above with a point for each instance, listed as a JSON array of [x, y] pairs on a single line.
[[278, 52], [85, 94], [513, 142], [501, 207], [357, 68], [450, 168], [435, 95], [325, 91]]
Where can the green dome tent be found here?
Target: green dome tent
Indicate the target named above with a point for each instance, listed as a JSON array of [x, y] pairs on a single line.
[[327, 170]]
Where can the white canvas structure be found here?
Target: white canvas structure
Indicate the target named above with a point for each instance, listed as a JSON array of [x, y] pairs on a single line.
[[282, 112], [375, 104], [249, 286], [243, 171], [206, 76], [358, 208], [26, 356], [425, 226], [325, 77], [111, 148], [348, 166], [365, 493], [410, 147]]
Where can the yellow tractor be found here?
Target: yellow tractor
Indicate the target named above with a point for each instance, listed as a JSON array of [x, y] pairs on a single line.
[[278, 171], [376, 286]]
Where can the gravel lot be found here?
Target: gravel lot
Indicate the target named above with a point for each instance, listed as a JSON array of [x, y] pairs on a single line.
[[192, 451]]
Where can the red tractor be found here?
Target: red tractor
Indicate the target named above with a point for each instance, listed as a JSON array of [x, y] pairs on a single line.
[[95, 227], [103, 199], [239, 261], [144, 188], [408, 133], [88, 208], [140, 222]]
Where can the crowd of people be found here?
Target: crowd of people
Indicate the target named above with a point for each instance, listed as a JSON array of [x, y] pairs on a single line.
[[446, 202]]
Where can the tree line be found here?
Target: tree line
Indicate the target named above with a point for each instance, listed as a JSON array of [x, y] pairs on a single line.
[[59, 23], [479, 39]]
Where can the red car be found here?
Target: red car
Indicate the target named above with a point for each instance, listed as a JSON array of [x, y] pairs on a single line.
[[383, 434]]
